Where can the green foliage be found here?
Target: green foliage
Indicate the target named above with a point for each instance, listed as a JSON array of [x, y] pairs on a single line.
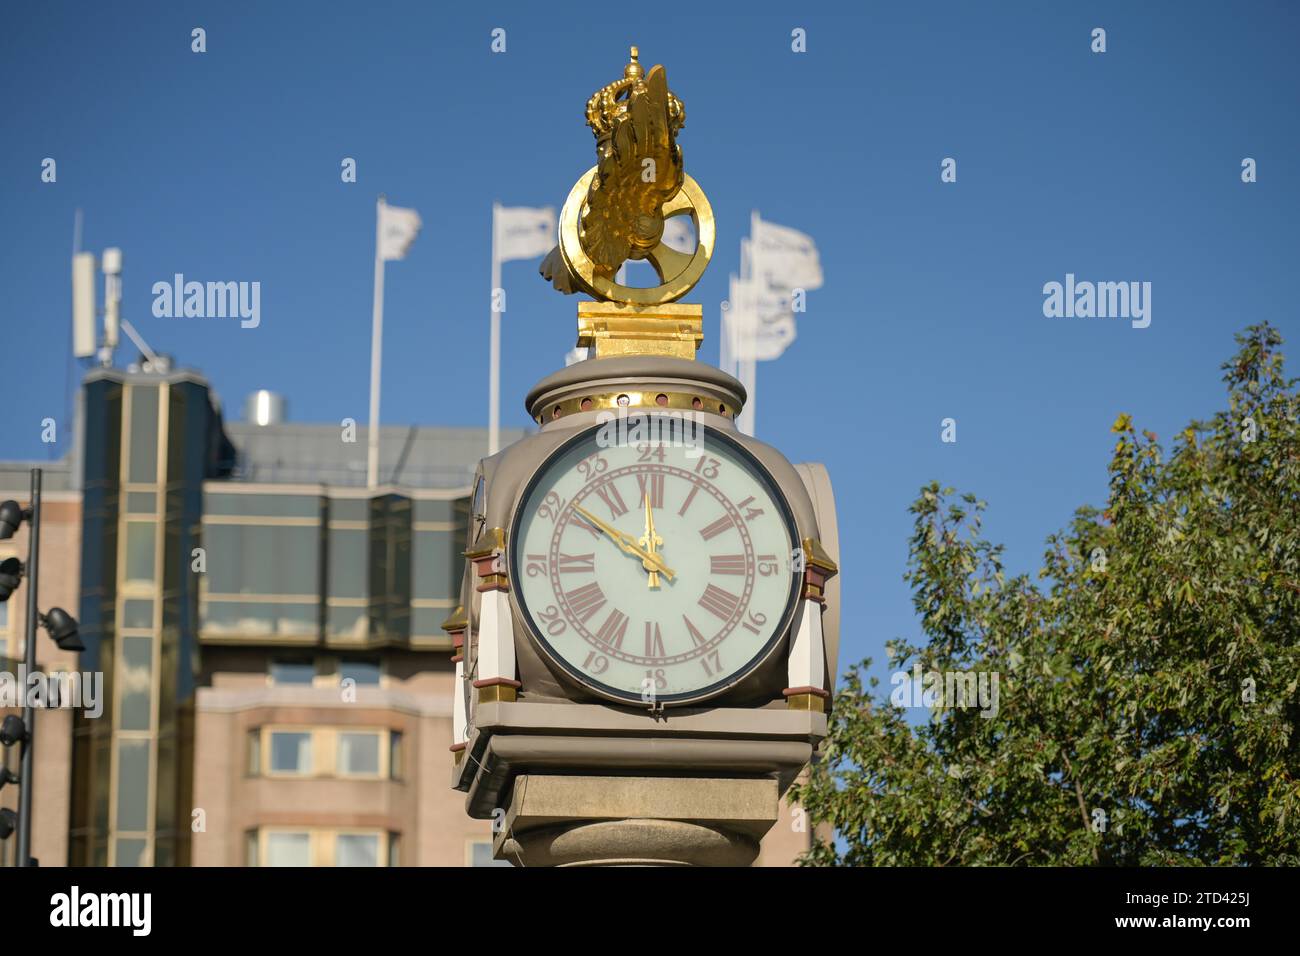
[[1125, 671]]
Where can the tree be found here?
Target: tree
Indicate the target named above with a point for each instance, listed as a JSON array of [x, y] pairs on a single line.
[[1147, 705]]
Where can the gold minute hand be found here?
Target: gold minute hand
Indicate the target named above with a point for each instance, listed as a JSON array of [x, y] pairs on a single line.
[[626, 542]]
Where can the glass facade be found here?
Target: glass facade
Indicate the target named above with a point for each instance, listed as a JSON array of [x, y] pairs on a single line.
[[150, 443], [300, 568]]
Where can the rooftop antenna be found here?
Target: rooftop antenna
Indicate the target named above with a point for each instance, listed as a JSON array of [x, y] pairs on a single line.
[[84, 311]]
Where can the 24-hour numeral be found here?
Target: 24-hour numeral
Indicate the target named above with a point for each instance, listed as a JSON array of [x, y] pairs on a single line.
[[751, 513], [712, 662], [708, 467]]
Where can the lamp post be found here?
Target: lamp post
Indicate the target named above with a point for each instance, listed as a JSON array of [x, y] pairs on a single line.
[[29, 659], [61, 626]]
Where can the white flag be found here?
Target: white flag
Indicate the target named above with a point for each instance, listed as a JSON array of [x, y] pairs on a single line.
[[760, 321], [398, 228], [785, 257], [523, 232]]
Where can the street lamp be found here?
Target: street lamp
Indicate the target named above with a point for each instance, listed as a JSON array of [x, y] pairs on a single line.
[[62, 627], [11, 516]]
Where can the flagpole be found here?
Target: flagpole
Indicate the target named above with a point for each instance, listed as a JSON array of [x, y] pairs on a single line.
[[494, 346], [747, 366], [376, 349]]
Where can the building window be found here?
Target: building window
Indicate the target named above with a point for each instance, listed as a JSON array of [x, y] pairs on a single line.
[[358, 754], [362, 672], [293, 672], [288, 849], [139, 552], [288, 618], [348, 572], [135, 690], [480, 854], [319, 846], [275, 560], [254, 765], [367, 753], [395, 754], [291, 752], [137, 613], [130, 851], [142, 464], [356, 849]]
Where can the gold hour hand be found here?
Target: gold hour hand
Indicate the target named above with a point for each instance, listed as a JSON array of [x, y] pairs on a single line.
[[627, 543]]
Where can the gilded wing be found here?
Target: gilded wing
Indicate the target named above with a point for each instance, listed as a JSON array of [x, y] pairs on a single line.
[[556, 271], [638, 170]]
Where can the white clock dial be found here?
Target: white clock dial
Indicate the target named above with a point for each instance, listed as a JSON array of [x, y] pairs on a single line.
[[653, 571]]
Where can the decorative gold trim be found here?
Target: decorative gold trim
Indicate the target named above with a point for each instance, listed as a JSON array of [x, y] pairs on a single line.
[[493, 541], [458, 620], [629, 399], [615, 329], [815, 555], [806, 702], [497, 694], [819, 568]]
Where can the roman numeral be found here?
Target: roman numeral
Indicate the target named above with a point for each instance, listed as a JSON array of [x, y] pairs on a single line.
[[711, 531], [719, 603], [719, 563], [654, 640], [652, 484], [608, 493], [573, 563], [698, 638], [612, 631], [585, 601], [752, 513], [689, 498]]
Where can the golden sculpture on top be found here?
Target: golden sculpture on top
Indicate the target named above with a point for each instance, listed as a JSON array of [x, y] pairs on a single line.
[[616, 211]]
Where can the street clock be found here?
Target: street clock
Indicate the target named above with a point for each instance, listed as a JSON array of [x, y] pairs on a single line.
[[655, 570]]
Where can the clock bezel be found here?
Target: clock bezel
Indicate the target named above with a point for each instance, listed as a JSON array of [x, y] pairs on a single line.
[[632, 698]]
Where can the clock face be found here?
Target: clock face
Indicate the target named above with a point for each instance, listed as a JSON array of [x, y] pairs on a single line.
[[652, 571]]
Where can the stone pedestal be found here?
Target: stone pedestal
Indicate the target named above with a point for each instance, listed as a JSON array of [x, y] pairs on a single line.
[[636, 821]]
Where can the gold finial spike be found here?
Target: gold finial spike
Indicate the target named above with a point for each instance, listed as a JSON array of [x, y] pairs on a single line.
[[634, 70]]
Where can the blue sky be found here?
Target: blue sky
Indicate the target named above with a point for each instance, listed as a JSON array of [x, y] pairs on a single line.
[[1122, 166]]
